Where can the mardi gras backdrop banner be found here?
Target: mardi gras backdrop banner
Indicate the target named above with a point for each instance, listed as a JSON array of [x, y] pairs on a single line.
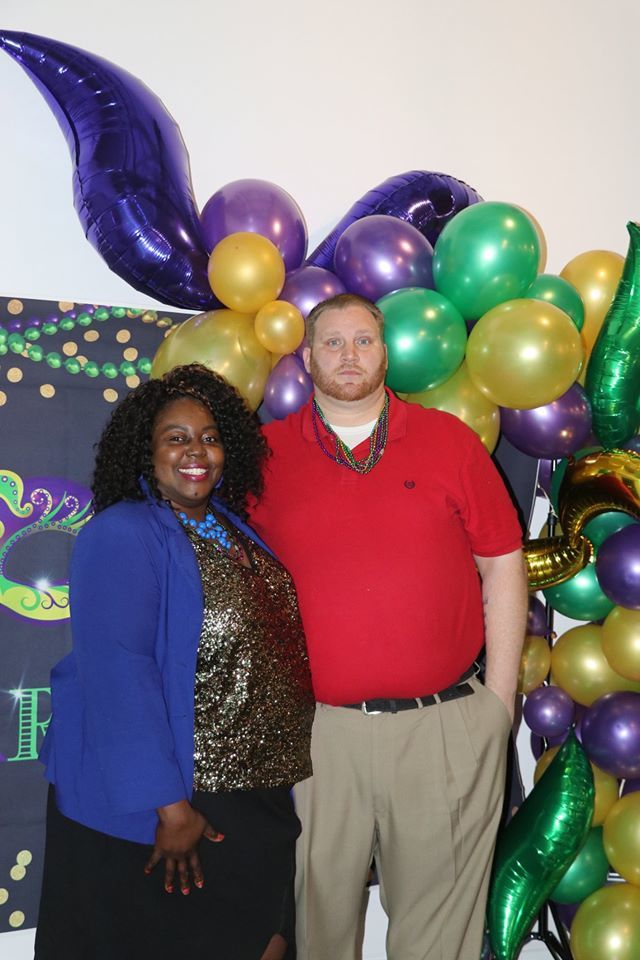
[[63, 366]]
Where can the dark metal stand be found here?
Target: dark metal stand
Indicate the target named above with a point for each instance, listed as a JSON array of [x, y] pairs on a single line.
[[558, 946]]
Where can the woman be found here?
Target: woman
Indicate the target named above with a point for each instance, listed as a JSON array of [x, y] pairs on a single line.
[[182, 716]]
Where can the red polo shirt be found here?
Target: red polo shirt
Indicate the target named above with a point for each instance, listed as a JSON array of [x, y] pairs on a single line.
[[383, 562]]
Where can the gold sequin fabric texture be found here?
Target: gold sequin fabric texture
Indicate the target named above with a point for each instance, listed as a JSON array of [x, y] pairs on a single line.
[[253, 699]]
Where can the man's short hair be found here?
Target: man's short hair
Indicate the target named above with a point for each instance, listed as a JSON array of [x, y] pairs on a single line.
[[340, 302]]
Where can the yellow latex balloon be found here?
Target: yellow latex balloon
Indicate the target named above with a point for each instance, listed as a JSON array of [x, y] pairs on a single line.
[[607, 791], [621, 641], [607, 925], [524, 353], [246, 271], [579, 666], [535, 663], [544, 762], [595, 275], [621, 837], [460, 396], [542, 241], [279, 326], [606, 787], [224, 341]]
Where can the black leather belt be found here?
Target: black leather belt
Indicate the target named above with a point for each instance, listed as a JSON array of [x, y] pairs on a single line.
[[456, 690]]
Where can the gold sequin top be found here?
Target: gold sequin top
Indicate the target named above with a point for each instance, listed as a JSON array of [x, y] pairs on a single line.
[[253, 698]]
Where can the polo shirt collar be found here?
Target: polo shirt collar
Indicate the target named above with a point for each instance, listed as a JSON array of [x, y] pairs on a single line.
[[397, 420]]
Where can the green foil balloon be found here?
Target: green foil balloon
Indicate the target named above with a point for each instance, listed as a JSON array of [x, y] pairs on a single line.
[[587, 873], [581, 597], [485, 255], [536, 847], [613, 373], [425, 336], [553, 289]]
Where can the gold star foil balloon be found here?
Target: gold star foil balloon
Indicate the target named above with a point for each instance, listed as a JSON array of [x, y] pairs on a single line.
[[599, 482]]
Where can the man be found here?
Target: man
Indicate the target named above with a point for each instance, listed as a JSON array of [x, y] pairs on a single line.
[[385, 513]]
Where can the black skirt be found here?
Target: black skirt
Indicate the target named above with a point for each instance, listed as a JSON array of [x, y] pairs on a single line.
[[98, 904]]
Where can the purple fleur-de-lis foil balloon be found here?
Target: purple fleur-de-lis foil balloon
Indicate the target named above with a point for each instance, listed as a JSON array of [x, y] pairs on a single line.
[[131, 181]]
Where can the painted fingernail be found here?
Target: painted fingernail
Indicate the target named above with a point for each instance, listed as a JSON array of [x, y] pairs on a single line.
[[147, 870], [186, 891], [199, 884], [168, 887]]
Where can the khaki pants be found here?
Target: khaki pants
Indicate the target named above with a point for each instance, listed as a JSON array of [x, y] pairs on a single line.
[[422, 791]]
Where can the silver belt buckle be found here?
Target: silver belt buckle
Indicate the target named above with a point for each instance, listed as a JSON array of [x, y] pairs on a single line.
[[369, 713]]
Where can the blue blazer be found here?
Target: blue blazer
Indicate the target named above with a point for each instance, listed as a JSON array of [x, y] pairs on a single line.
[[120, 741]]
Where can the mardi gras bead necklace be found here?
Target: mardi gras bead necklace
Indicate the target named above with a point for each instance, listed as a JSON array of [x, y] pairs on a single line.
[[211, 529], [344, 455]]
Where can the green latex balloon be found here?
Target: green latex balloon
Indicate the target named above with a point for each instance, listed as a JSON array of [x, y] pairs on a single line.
[[587, 873], [606, 524], [425, 336], [553, 289], [581, 597], [485, 255], [613, 373], [536, 847]]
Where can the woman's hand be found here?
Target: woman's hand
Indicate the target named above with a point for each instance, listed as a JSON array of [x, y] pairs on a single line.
[[179, 830]]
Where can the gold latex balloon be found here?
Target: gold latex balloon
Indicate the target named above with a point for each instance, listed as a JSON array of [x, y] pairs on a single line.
[[246, 271], [595, 275], [621, 837], [607, 925], [579, 666], [279, 327], [607, 791], [544, 762], [621, 641], [524, 353], [534, 664], [224, 341], [606, 787], [460, 396]]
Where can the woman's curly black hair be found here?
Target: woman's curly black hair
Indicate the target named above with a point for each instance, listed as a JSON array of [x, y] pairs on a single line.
[[124, 452]]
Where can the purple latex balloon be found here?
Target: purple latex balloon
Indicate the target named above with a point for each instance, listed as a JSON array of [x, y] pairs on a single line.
[[309, 286], [618, 567], [536, 618], [548, 711], [611, 733], [630, 786], [131, 183], [379, 254], [552, 431], [257, 206], [566, 912], [289, 387], [426, 200]]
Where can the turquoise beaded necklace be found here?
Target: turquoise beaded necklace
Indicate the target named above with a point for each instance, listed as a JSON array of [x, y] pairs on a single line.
[[211, 529]]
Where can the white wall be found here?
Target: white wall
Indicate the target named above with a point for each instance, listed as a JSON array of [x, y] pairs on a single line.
[[531, 103]]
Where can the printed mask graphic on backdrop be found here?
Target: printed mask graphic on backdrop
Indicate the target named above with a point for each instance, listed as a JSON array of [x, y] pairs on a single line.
[[28, 507]]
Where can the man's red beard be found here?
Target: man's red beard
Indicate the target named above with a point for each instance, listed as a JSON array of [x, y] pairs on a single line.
[[338, 390]]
